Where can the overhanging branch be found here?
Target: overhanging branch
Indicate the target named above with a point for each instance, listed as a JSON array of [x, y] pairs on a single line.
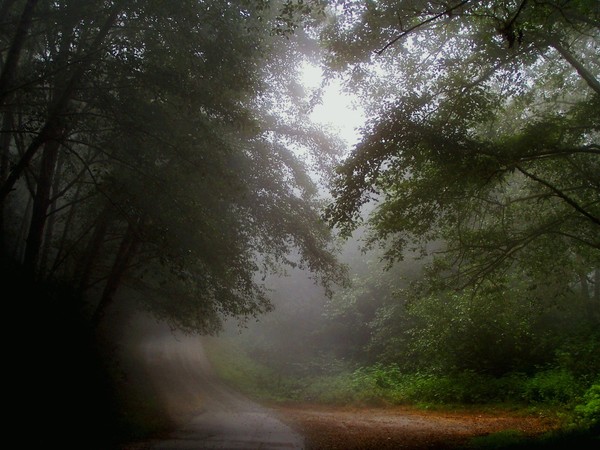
[[589, 78], [560, 194], [420, 24]]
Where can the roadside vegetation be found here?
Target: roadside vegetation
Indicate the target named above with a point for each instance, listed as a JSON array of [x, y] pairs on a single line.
[[552, 391], [557, 395], [162, 157]]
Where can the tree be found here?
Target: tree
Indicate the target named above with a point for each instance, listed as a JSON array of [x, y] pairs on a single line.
[[147, 132], [483, 133]]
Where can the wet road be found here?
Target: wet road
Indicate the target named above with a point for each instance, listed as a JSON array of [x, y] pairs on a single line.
[[212, 416]]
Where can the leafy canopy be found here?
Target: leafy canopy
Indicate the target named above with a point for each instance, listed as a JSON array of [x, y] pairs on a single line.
[[483, 132]]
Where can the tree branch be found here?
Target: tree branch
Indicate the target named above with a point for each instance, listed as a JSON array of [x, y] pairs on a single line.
[[419, 25], [14, 53], [560, 194], [512, 21], [577, 65], [51, 129]]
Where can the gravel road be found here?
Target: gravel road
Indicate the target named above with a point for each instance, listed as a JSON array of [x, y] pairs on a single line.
[[211, 415]]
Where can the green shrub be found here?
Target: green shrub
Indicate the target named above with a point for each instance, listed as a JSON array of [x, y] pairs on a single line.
[[552, 387], [499, 440], [331, 389], [580, 354], [465, 387], [588, 412]]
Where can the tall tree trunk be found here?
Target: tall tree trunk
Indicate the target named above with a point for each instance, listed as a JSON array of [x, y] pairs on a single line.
[[90, 255], [597, 286], [58, 260], [583, 72], [127, 250], [5, 139], [51, 220], [14, 52], [41, 202], [19, 246], [48, 131], [585, 287]]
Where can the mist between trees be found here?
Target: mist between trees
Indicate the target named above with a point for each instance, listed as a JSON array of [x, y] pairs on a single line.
[[159, 157]]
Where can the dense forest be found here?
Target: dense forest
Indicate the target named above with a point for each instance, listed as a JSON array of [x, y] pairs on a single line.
[[160, 157]]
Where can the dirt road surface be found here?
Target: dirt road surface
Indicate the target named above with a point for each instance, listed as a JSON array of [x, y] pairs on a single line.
[[343, 428], [211, 415]]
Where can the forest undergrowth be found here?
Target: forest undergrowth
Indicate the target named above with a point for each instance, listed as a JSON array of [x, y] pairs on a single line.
[[554, 393]]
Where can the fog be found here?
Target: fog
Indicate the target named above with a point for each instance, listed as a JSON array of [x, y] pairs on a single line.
[[226, 223]]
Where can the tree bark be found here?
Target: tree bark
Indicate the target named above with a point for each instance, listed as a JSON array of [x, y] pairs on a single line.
[[576, 64], [41, 202], [90, 255], [14, 53], [597, 286], [585, 287], [51, 220], [5, 139], [47, 133], [127, 250]]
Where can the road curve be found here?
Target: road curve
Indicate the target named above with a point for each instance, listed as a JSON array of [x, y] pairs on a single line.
[[212, 416]]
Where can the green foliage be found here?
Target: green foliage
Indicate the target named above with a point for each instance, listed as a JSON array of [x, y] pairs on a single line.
[[554, 393], [580, 353], [500, 440], [552, 387], [252, 378], [339, 389], [388, 384], [184, 122], [588, 412], [554, 440], [470, 135], [466, 156], [456, 331]]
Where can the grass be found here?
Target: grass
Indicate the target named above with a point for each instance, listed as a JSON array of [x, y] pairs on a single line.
[[556, 394], [576, 439], [255, 380]]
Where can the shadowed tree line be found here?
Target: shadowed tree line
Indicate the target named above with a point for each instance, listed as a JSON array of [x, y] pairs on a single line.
[[150, 147], [148, 150], [141, 142]]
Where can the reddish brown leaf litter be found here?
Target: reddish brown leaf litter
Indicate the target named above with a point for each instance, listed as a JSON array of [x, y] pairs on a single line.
[[330, 428]]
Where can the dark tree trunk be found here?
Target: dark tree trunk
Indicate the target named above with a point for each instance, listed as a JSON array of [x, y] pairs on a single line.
[[90, 255], [127, 250], [58, 108], [19, 245], [5, 139], [41, 202], [61, 252], [14, 52], [596, 299], [585, 287], [51, 220]]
